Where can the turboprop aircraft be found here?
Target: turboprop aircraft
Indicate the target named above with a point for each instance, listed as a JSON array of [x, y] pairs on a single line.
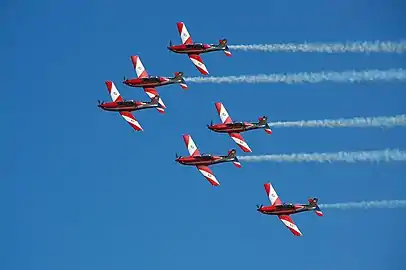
[[125, 107], [284, 210], [202, 162], [193, 50], [235, 128]]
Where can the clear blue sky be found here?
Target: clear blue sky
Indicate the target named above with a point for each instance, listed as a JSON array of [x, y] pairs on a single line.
[[81, 190]]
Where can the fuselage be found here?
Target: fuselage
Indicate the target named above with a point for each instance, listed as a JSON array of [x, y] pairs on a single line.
[[126, 106], [151, 81], [235, 127], [203, 160], [196, 48], [286, 209]]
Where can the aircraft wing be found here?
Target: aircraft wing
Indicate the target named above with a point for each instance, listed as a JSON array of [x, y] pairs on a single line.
[[152, 92], [208, 174], [224, 116], [114, 93], [288, 222], [239, 140], [272, 195], [184, 33], [139, 67], [191, 146], [198, 62], [129, 117]]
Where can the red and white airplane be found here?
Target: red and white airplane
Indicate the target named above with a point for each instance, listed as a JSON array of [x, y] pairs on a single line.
[[193, 50], [153, 81], [284, 210], [144, 81], [125, 107], [202, 162], [235, 128]]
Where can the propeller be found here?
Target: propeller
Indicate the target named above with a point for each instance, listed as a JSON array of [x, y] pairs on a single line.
[[170, 43], [125, 78], [259, 206], [100, 103]]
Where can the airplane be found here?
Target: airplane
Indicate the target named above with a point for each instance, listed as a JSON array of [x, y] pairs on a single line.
[[235, 128], [193, 50], [284, 210], [125, 107], [153, 81], [148, 83], [203, 161]]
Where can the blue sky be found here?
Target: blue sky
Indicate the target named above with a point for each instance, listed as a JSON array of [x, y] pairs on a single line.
[[81, 190]]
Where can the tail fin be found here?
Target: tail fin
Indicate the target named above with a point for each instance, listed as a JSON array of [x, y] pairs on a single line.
[[223, 44], [264, 121], [151, 92], [179, 75], [161, 106], [155, 100], [232, 154], [317, 210]]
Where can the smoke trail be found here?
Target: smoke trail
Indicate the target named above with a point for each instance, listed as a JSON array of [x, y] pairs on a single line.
[[380, 121], [353, 47], [366, 204], [309, 77], [386, 155]]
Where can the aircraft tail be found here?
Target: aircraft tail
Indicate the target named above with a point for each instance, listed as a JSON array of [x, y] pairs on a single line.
[[155, 100], [223, 44], [161, 106], [317, 210], [179, 75], [232, 154], [264, 121]]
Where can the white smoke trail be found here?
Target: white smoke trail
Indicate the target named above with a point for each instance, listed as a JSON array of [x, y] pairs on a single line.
[[380, 121], [309, 77], [386, 155], [366, 204], [353, 47]]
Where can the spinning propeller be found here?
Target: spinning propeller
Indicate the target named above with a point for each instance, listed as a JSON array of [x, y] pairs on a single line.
[[259, 206], [101, 102]]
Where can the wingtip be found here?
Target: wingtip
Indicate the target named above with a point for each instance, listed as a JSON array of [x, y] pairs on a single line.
[[109, 85]]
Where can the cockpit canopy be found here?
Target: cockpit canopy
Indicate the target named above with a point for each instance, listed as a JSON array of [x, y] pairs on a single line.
[[206, 156], [195, 45], [126, 102], [287, 205], [151, 78], [235, 124]]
